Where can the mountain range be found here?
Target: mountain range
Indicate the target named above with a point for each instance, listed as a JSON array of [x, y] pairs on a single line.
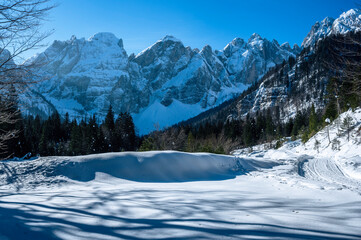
[[167, 82]]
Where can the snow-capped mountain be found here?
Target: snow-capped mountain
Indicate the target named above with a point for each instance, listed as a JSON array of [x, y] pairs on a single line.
[[164, 84], [296, 84], [303, 83], [248, 61], [348, 21]]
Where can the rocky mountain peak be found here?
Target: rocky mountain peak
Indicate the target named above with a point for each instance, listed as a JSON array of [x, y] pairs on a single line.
[[238, 42], [106, 38], [328, 21], [206, 50], [348, 21], [286, 46], [296, 48], [170, 38], [254, 37]]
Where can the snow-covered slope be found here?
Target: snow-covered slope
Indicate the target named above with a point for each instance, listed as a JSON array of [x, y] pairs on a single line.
[[86, 76], [348, 21], [166, 166], [339, 147], [331, 159], [294, 192]]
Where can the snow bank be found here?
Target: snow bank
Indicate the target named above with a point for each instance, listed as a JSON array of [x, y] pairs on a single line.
[[156, 166]]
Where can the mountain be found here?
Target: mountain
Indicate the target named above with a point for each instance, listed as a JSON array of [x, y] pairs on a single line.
[[248, 61], [297, 83], [164, 84], [348, 21], [296, 86]]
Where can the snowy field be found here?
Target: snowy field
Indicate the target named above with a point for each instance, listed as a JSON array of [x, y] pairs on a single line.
[[295, 192]]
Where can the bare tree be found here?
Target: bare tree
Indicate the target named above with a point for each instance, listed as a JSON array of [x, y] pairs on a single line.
[[20, 22]]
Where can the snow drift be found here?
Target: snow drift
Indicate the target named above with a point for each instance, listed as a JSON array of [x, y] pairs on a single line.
[[156, 166]]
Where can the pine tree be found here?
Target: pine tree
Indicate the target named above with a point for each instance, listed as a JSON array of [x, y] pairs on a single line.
[[94, 142], [75, 146], [248, 132], [125, 132], [346, 125], [269, 125], [331, 97], [109, 119], [147, 145], [108, 131], [66, 127], [190, 143], [313, 121], [44, 141]]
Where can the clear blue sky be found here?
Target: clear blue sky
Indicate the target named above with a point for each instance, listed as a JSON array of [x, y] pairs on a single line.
[[196, 22]]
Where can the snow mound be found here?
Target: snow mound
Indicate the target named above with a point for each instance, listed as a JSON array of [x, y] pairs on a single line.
[[156, 166]]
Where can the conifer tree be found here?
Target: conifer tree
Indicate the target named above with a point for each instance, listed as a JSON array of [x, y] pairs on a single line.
[[109, 119], [75, 146], [332, 108], [269, 124], [94, 145], [108, 131], [147, 145], [346, 125], [44, 141], [313, 121], [190, 143]]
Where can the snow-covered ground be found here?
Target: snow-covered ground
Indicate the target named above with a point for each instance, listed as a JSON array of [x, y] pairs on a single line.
[[295, 192]]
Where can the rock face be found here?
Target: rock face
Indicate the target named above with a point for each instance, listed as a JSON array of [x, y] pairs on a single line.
[[248, 61], [348, 21], [164, 84], [297, 86]]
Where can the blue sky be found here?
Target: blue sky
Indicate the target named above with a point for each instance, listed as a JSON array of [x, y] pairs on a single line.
[[140, 23]]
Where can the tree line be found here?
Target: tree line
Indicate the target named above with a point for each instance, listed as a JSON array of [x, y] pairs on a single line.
[[59, 135]]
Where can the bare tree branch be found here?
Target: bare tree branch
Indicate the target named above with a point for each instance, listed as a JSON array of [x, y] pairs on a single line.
[[20, 22]]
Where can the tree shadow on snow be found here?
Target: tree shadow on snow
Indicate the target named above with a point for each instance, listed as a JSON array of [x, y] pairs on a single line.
[[79, 219]]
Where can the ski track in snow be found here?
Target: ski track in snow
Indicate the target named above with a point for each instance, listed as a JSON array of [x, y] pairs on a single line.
[[326, 170]]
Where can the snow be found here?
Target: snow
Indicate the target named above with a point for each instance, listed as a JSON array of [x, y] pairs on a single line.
[[170, 38], [294, 192], [87, 197], [347, 21], [188, 73], [157, 116], [321, 165], [154, 166]]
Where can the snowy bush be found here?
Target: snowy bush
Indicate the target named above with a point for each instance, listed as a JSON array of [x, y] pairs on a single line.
[[335, 144]]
